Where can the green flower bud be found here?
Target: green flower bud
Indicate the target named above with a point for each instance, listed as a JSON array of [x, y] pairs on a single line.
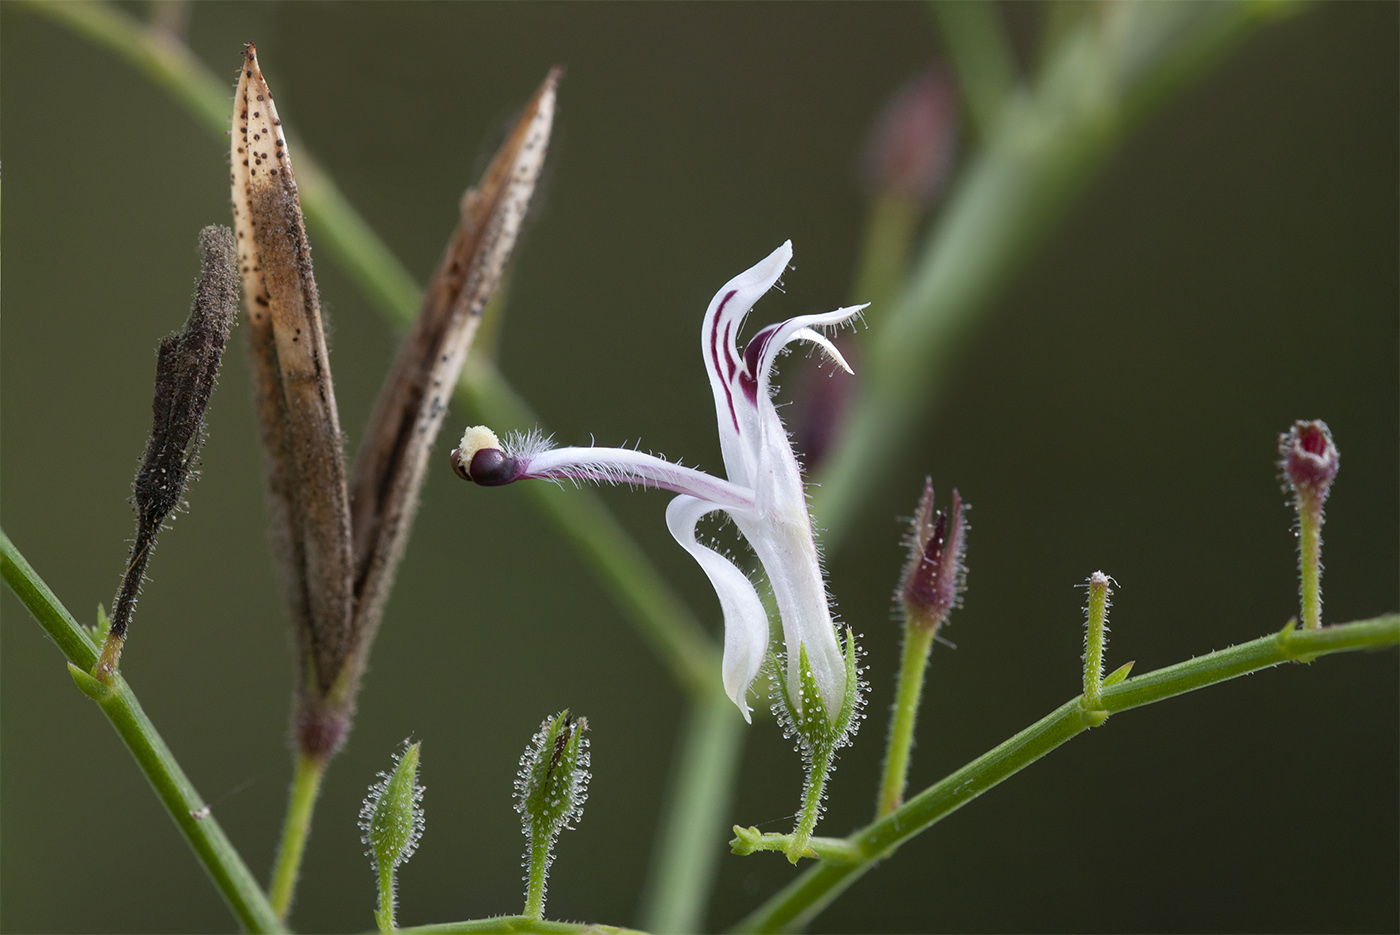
[[392, 821], [550, 791]]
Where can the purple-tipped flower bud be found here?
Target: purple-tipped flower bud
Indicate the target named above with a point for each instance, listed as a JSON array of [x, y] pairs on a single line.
[[910, 150], [1309, 458], [935, 575]]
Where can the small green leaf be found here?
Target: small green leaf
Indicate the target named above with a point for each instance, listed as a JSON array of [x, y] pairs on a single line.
[[1119, 674]]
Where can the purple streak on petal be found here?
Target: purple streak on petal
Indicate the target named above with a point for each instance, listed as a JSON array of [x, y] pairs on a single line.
[[715, 344], [753, 355]]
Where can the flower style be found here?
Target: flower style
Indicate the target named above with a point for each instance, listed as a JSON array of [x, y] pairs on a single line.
[[762, 492]]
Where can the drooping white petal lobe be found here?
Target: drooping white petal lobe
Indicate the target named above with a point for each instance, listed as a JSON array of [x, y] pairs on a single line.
[[745, 620]]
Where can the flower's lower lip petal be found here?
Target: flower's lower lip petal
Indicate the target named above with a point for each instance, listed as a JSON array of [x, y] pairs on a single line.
[[625, 466], [745, 620]]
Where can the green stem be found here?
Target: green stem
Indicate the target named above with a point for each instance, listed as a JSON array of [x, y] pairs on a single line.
[[661, 617], [520, 924], [834, 850], [201, 829], [884, 258], [981, 54], [799, 902], [1096, 626], [687, 853], [811, 804], [384, 915], [1046, 145], [301, 803], [918, 642], [540, 846]]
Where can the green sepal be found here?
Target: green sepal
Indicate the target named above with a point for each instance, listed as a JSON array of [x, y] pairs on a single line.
[[746, 841], [1119, 674], [88, 685]]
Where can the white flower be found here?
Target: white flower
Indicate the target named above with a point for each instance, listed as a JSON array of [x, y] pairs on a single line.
[[763, 491]]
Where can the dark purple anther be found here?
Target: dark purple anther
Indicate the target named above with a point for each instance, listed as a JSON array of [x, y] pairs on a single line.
[[489, 467]]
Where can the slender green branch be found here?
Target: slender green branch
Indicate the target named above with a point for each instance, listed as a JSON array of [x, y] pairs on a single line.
[[981, 54], [798, 903], [190, 813], [1048, 142], [918, 641], [833, 850], [687, 852], [296, 828], [519, 924], [661, 617]]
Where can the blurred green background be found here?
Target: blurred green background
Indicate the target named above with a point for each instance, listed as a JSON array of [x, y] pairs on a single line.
[[1233, 269]]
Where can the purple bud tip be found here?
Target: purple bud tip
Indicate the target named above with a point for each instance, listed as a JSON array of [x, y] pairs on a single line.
[[1309, 457], [910, 150], [935, 575]]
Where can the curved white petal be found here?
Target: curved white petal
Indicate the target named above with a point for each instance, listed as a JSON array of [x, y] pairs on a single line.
[[745, 621], [625, 466], [821, 341], [799, 329]]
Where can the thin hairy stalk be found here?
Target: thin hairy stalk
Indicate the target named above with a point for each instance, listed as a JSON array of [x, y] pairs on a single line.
[[296, 828], [687, 851], [189, 811], [918, 641], [798, 903], [537, 878], [1047, 144], [662, 619]]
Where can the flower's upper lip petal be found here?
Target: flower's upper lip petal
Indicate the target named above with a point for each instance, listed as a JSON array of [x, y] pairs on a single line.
[[623, 465], [720, 331], [745, 620], [767, 344]]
